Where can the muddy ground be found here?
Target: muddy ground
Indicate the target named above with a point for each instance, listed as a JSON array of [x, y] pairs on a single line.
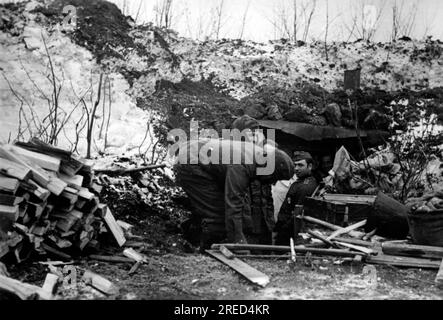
[[191, 276]]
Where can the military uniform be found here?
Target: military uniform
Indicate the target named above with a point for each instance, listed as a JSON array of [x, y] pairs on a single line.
[[297, 193]]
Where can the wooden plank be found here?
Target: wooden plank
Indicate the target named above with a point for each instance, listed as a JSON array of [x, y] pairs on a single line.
[[124, 225], [439, 277], [359, 242], [9, 200], [42, 160], [346, 230], [226, 252], [321, 238], [358, 248], [350, 198], [136, 256], [73, 182], [24, 290], [50, 284], [354, 234], [14, 169], [409, 250], [54, 185], [242, 268], [69, 164], [113, 259], [403, 261], [8, 185], [35, 189], [114, 227], [85, 194], [100, 283], [298, 249]]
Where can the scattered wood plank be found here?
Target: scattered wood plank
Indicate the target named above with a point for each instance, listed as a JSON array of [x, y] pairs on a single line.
[[100, 283], [114, 227], [439, 277], [136, 256], [403, 261], [321, 238], [358, 242], [354, 234], [14, 170], [135, 267], [112, 259], [346, 230], [226, 252], [409, 250], [242, 268], [124, 225], [358, 248], [298, 249], [42, 160], [9, 185], [23, 290]]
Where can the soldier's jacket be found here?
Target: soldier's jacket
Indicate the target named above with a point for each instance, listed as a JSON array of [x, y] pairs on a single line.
[[297, 193], [262, 207]]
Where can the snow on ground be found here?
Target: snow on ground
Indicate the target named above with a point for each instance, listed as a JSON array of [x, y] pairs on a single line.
[[26, 77]]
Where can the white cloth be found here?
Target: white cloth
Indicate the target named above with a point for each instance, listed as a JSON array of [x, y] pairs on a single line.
[[279, 191]]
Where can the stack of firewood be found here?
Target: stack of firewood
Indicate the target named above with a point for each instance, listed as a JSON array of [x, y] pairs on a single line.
[[49, 203]]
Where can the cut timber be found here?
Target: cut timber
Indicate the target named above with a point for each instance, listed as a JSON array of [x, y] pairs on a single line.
[[350, 199], [347, 229], [4, 248], [85, 194], [298, 249], [42, 160], [8, 185], [50, 283], [359, 242], [244, 269], [8, 216], [114, 259], [100, 283], [135, 267], [14, 170], [69, 164], [114, 227], [10, 200], [439, 278], [321, 238], [24, 290], [124, 225], [73, 182], [54, 185], [136, 256], [403, 261], [227, 253], [410, 250], [358, 248], [354, 234]]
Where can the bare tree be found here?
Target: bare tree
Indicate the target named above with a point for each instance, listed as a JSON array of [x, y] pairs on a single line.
[[219, 15], [364, 22], [403, 18], [327, 30], [245, 14], [290, 19], [163, 11]]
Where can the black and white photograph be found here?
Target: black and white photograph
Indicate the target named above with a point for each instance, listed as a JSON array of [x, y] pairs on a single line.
[[238, 152]]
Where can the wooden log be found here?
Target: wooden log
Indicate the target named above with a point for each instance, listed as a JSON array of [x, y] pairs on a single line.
[[23, 290], [347, 229], [403, 261], [42, 160], [409, 250], [298, 249], [112, 259], [358, 242], [69, 220], [325, 224], [439, 277], [100, 283], [8, 185], [114, 228], [350, 198], [85, 194], [14, 170], [9, 200], [96, 188], [358, 248], [242, 268], [35, 189]]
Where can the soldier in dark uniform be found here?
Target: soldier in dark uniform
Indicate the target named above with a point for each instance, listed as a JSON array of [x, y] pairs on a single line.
[[303, 187], [218, 191]]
